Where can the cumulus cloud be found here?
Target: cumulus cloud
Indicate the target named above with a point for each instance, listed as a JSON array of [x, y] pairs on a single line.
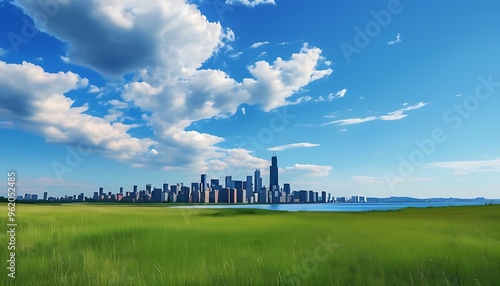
[[117, 37], [259, 44], [309, 170], [162, 44], [250, 3], [94, 89], [394, 115], [341, 93], [292, 146], [273, 84], [34, 100]]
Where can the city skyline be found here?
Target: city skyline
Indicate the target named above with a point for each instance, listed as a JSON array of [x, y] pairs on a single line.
[[354, 98]]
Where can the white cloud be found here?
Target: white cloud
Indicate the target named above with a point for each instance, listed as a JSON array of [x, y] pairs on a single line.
[[259, 44], [341, 93], [132, 27], [395, 41], [351, 121], [273, 84], [94, 89], [367, 179], [64, 59], [394, 115], [162, 44], [292, 146], [468, 167], [235, 55], [3, 52], [243, 110], [328, 63], [250, 3], [309, 170], [34, 100]]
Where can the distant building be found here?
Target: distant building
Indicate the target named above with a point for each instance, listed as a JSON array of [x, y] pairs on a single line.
[[229, 182], [257, 181], [203, 182], [286, 188], [323, 197], [45, 194], [273, 174]]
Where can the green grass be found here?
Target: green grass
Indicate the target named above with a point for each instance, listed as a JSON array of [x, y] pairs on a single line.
[[85, 244]]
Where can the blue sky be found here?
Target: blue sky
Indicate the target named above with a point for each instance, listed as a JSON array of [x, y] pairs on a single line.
[[373, 98]]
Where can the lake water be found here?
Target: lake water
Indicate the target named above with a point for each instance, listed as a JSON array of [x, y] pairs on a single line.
[[335, 207]]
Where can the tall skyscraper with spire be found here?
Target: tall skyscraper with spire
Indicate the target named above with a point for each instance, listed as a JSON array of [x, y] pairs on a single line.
[[273, 174]]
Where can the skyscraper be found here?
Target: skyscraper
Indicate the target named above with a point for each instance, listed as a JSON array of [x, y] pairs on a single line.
[[257, 181], [273, 174], [203, 182], [229, 182]]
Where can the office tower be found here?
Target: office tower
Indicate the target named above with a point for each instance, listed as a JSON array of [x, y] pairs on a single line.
[[203, 182], [241, 196], [229, 182], [224, 195], [173, 189], [121, 190], [214, 196], [135, 188], [286, 189], [238, 185], [45, 194], [34, 197], [249, 189], [165, 188], [263, 195], [156, 195], [273, 174], [257, 181], [148, 188], [195, 187], [323, 197], [214, 184], [101, 192]]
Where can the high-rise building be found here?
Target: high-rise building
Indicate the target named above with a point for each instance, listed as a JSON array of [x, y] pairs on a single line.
[[203, 182], [101, 192], [249, 189], [121, 190], [165, 188], [257, 181], [273, 174], [214, 184], [229, 182], [148, 188], [286, 189], [45, 194]]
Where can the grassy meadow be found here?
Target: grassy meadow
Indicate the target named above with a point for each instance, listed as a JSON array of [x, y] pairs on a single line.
[[88, 244]]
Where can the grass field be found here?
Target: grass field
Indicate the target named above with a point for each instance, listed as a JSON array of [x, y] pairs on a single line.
[[146, 245]]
